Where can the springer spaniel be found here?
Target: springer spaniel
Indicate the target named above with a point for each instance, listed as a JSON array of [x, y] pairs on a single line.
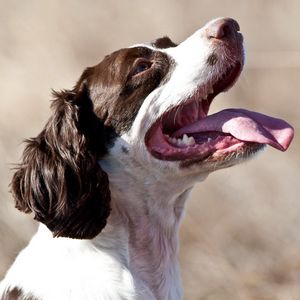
[[109, 175]]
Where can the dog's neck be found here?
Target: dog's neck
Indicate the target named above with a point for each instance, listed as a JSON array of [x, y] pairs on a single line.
[[149, 209], [152, 253]]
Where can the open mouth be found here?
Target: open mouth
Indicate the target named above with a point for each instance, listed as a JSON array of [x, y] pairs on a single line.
[[188, 132]]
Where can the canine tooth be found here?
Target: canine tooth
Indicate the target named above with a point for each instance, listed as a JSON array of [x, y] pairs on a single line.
[[209, 139], [185, 139], [205, 97]]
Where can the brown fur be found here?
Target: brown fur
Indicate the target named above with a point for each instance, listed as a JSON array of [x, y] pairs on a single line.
[[59, 179], [16, 294], [163, 43]]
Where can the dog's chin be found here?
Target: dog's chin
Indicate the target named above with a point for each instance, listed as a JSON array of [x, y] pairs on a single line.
[[222, 159]]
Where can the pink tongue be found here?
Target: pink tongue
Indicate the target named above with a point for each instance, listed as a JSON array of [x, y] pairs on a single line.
[[246, 126]]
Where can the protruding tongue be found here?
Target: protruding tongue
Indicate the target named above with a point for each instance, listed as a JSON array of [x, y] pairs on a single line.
[[246, 126]]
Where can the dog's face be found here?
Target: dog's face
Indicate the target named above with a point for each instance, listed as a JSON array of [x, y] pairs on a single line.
[[194, 72], [145, 106]]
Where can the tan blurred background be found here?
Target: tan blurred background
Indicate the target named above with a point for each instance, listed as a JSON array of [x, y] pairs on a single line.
[[241, 235]]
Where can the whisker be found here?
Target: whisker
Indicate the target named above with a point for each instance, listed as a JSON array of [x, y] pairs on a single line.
[[176, 112]]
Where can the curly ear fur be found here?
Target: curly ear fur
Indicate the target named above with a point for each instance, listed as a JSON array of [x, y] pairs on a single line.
[[59, 179]]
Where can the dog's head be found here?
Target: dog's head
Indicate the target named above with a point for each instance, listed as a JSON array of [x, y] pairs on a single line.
[[147, 106]]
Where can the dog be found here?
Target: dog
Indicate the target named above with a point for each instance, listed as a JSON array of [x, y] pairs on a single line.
[[109, 174]]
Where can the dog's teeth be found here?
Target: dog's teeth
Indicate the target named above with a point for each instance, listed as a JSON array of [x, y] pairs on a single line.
[[205, 97], [209, 139], [211, 91], [184, 141], [188, 141], [191, 141], [185, 138], [179, 142], [171, 140]]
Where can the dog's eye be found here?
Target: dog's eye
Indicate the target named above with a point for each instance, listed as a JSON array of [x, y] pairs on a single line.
[[141, 66]]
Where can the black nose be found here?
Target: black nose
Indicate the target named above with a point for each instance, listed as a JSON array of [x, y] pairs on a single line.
[[222, 29]]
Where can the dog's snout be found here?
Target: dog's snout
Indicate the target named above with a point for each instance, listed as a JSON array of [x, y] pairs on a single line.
[[220, 29]]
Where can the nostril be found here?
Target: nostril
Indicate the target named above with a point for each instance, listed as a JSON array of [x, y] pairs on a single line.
[[222, 29]]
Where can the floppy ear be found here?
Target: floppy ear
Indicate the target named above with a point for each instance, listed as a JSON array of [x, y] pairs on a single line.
[[59, 179]]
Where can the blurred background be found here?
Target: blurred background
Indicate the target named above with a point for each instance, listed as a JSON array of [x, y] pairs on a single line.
[[240, 239]]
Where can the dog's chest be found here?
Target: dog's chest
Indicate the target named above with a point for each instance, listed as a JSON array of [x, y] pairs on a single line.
[[83, 272]]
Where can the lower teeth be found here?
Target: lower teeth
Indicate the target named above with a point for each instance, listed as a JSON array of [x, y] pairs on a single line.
[[184, 141]]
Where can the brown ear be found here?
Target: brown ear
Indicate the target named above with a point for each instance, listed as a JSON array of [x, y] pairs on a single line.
[[59, 179]]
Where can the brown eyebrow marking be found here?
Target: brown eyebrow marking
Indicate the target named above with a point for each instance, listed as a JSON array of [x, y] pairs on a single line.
[[163, 43]]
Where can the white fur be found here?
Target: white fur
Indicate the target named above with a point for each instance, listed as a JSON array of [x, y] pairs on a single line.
[[136, 255]]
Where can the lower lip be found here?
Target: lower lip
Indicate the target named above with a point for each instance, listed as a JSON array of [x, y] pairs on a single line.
[[164, 150]]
